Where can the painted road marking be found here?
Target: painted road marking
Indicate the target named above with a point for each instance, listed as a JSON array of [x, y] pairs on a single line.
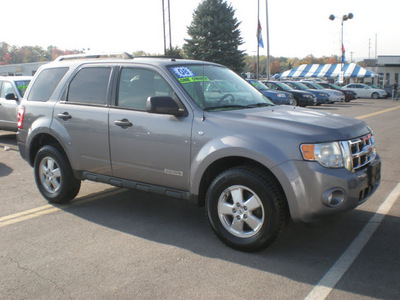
[[48, 209], [377, 113], [335, 273]]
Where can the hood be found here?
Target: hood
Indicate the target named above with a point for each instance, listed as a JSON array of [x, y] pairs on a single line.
[[297, 123]]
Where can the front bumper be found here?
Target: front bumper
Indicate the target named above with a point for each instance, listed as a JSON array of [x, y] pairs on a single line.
[[309, 187], [323, 100], [336, 98]]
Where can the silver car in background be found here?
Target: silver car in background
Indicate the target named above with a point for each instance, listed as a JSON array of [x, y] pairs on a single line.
[[12, 89]]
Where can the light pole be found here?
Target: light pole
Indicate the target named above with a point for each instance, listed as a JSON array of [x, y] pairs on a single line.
[[344, 18]]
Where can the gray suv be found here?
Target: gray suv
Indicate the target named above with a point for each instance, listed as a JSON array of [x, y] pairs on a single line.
[[152, 125]]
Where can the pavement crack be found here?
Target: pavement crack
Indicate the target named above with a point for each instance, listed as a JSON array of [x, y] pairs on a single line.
[[34, 272]]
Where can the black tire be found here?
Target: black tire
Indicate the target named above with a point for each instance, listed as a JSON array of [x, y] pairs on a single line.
[[245, 208], [54, 177], [375, 96]]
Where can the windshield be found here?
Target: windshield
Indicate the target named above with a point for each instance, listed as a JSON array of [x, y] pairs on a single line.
[[217, 88], [21, 86], [318, 86], [297, 86], [309, 85], [336, 86], [258, 85], [284, 86]]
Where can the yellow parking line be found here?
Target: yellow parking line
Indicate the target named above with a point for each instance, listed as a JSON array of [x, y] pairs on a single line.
[[26, 216], [377, 113], [48, 209], [27, 212]]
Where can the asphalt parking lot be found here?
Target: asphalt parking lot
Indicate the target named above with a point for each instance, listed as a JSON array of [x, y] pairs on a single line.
[[113, 243]]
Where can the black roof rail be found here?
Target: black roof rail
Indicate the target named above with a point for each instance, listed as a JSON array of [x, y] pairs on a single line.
[[123, 55]]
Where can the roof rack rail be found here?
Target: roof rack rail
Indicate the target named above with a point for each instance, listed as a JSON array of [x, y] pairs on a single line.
[[123, 55]]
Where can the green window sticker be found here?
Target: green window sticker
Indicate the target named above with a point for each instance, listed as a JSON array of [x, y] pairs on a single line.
[[193, 79]]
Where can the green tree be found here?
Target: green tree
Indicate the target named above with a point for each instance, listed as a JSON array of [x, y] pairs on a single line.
[[174, 52], [215, 35]]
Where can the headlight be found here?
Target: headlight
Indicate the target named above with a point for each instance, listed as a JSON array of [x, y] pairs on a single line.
[[307, 96], [329, 155]]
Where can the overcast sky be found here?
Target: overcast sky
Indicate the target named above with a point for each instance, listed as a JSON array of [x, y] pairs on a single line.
[[297, 27]]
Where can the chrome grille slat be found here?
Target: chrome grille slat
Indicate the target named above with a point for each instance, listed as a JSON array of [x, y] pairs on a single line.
[[362, 151]]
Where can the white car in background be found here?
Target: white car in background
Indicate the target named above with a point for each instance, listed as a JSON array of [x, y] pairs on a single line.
[[365, 91]]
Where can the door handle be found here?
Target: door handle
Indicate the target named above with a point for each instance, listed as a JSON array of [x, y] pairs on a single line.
[[123, 123], [65, 116]]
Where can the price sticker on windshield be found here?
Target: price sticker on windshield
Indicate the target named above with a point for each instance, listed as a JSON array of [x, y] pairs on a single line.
[[183, 72]]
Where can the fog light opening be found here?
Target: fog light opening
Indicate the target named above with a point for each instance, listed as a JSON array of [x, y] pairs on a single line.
[[333, 197]]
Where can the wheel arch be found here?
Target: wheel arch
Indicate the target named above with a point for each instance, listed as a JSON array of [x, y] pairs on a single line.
[[40, 140], [222, 164]]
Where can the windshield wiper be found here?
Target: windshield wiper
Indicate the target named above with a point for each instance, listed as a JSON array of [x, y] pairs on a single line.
[[260, 104], [225, 106]]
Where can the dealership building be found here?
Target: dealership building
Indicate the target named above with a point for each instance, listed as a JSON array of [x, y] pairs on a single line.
[[387, 66], [28, 69]]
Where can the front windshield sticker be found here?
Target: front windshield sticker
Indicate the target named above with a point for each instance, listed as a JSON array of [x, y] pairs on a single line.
[[183, 72], [193, 79]]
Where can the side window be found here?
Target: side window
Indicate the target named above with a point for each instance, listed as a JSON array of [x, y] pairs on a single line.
[[7, 88], [90, 86], [46, 83], [136, 85]]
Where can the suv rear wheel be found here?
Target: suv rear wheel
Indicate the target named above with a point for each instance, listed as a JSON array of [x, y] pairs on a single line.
[[54, 176], [245, 208]]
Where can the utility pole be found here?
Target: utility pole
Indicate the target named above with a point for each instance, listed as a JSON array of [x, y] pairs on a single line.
[[164, 25], [268, 56], [369, 48], [258, 40]]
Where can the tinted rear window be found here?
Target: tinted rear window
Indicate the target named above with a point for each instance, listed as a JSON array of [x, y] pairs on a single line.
[[90, 86], [46, 83]]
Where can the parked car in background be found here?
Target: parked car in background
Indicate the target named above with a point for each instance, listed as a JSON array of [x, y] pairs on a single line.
[[12, 89], [277, 97], [387, 88], [302, 98], [317, 80], [322, 97], [334, 96], [348, 94], [365, 91]]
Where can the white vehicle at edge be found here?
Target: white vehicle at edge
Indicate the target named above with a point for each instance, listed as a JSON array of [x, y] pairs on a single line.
[[334, 95], [365, 91]]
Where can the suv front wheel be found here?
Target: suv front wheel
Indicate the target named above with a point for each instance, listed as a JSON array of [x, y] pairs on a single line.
[[54, 177], [245, 208]]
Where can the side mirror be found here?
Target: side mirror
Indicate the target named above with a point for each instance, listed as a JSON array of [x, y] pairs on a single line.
[[11, 96], [163, 105]]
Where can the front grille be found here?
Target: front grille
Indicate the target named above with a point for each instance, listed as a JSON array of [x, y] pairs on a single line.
[[362, 151]]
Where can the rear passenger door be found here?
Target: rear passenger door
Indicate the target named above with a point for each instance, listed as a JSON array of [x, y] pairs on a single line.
[[150, 148], [82, 117]]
